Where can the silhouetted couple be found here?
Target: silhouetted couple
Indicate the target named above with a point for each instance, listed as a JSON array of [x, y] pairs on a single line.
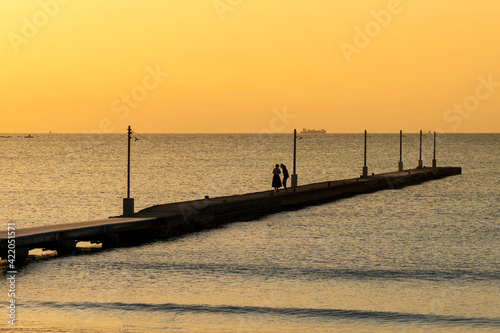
[[276, 177]]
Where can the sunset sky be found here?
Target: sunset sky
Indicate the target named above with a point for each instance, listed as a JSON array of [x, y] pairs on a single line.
[[229, 66]]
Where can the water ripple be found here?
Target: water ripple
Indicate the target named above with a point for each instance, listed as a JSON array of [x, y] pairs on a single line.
[[259, 310]]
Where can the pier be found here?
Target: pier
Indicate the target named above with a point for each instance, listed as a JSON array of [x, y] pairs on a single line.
[[174, 219]]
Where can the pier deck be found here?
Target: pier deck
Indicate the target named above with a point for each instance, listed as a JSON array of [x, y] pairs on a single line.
[[169, 220]]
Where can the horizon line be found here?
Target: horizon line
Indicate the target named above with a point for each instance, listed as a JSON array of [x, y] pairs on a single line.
[[124, 132]]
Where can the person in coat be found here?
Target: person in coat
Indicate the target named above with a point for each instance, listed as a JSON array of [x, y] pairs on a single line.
[[285, 175]]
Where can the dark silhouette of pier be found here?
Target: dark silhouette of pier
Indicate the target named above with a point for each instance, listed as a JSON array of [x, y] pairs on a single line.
[[174, 219]]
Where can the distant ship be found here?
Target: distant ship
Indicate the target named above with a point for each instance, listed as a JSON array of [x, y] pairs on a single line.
[[307, 131]]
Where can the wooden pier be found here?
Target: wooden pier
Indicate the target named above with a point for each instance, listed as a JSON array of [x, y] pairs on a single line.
[[170, 220]]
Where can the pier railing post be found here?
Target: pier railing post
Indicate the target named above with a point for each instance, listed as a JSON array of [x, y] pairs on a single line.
[[400, 168], [420, 163], [434, 164], [294, 175], [128, 202], [365, 168]]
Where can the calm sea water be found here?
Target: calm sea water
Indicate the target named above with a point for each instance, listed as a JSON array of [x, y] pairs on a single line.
[[420, 259]]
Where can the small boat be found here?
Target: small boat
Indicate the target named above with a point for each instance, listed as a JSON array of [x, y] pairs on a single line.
[[29, 136]]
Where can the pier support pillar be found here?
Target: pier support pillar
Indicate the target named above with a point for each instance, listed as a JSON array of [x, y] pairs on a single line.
[[21, 257], [400, 166], [111, 241], [365, 171], [128, 206], [294, 180], [66, 247]]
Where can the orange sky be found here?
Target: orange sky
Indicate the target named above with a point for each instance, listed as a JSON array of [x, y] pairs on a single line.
[[249, 65]]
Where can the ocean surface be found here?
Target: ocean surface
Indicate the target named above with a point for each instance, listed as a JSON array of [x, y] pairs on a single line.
[[424, 258]]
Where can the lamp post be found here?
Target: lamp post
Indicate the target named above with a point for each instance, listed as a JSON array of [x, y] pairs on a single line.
[[294, 175], [365, 168], [420, 164], [128, 202], [400, 150], [434, 159]]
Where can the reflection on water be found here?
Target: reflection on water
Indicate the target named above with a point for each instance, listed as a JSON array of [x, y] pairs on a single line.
[[422, 258]]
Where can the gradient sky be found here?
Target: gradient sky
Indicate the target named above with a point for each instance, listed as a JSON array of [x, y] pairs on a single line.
[[234, 65]]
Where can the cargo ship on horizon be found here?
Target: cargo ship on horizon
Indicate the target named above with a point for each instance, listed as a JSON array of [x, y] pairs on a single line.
[[308, 131]]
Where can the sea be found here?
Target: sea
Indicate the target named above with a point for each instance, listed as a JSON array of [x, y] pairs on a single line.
[[424, 258]]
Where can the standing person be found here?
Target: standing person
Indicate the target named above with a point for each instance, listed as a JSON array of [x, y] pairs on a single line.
[[276, 178], [285, 175]]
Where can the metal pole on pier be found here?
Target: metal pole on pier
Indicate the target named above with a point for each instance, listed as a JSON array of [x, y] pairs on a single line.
[[128, 202], [420, 164], [434, 159], [365, 168], [128, 162], [400, 150], [294, 175]]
